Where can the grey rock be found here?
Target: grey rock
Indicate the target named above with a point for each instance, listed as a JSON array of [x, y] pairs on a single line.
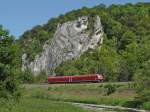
[[70, 40]]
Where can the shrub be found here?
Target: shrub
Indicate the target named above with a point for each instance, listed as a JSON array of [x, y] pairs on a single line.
[[41, 78], [41, 94], [144, 96], [27, 77], [133, 104], [109, 89], [146, 105]]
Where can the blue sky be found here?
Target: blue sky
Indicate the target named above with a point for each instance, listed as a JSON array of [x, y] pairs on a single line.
[[20, 15]]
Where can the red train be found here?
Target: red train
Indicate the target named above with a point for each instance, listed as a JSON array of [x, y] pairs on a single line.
[[76, 79]]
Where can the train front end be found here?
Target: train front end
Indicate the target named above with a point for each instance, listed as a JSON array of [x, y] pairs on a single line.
[[100, 77]]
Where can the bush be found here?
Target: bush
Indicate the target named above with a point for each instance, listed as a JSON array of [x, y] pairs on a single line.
[[27, 77], [146, 105], [142, 81], [144, 96], [109, 89], [133, 104], [41, 94], [41, 78]]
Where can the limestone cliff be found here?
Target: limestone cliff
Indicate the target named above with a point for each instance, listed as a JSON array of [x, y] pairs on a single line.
[[70, 40]]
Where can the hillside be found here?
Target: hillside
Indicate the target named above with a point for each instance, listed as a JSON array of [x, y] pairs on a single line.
[[125, 48], [71, 39]]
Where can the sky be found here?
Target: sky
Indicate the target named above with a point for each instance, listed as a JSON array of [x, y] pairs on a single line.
[[17, 16]]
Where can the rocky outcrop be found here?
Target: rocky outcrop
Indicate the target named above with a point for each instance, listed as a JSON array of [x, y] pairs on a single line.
[[70, 40]]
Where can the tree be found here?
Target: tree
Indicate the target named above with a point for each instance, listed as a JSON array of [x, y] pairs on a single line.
[[9, 64], [127, 38], [108, 63], [129, 62], [142, 80]]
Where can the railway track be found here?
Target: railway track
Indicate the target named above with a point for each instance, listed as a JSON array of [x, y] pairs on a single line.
[[47, 85]]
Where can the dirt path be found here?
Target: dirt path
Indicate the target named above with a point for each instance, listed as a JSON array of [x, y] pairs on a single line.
[[105, 108]]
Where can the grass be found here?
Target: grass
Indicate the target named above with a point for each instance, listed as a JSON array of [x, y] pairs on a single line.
[[84, 93], [51, 98], [42, 105]]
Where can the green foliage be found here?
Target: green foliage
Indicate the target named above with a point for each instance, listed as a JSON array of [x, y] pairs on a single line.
[[27, 77], [41, 78], [143, 96], [142, 82], [98, 61], [109, 89], [146, 105], [9, 69], [142, 79], [33, 41], [108, 63], [127, 38], [128, 63], [133, 104]]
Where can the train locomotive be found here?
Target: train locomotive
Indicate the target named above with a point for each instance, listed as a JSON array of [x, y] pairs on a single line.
[[76, 79]]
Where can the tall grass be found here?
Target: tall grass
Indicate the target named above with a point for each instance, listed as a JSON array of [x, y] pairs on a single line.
[[42, 105], [85, 93]]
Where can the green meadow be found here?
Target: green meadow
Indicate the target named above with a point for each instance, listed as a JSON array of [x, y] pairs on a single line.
[[42, 105]]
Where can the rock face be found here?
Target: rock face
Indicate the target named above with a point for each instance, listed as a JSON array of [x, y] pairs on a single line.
[[70, 40]]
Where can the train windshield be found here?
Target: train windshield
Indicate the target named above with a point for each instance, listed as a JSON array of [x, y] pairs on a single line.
[[99, 76]]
